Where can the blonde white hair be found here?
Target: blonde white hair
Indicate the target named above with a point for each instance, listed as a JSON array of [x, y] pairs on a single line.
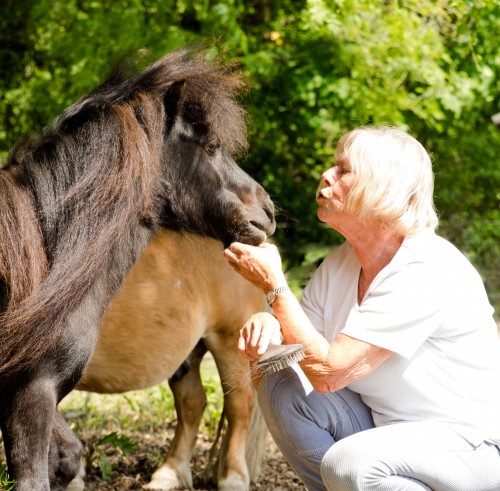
[[393, 180]]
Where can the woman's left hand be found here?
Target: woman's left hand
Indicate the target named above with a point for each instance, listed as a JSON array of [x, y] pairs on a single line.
[[261, 329], [261, 265]]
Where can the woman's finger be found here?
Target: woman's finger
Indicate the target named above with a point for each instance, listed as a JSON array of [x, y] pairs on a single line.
[[256, 335]]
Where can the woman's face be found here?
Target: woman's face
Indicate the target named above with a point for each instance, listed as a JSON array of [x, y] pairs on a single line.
[[335, 184]]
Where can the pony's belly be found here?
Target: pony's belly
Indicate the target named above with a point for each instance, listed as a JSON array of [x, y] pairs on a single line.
[[140, 361]]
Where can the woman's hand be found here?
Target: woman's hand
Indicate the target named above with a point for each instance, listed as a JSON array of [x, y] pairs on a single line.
[[260, 330], [260, 265]]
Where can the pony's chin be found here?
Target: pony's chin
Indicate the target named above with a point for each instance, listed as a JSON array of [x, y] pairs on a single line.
[[255, 237], [254, 242]]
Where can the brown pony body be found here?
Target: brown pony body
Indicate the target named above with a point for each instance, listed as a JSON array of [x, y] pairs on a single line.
[[79, 204], [180, 291]]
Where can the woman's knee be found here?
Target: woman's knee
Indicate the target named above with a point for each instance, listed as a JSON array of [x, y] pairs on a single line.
[[276, 389], [338, 468], [351, 465]]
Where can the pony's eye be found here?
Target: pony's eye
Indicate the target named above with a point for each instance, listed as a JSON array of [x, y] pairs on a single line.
[[212, 147]]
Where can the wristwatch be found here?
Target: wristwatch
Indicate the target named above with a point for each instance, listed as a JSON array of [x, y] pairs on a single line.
[[271, 296]]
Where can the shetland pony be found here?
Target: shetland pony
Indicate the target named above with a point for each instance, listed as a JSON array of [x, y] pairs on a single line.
[[180, 291], [78, 205]]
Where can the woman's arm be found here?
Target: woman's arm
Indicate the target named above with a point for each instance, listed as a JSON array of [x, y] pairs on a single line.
[[329, 367]]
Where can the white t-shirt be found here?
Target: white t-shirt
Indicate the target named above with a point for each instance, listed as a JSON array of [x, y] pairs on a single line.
[[429, 307]]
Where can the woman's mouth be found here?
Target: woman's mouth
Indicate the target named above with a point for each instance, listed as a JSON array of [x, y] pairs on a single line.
[[319, 191]]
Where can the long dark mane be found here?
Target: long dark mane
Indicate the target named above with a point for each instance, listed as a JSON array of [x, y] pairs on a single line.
[[72, 196]]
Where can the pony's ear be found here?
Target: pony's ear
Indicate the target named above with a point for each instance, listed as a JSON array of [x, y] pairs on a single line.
[[172, 99]]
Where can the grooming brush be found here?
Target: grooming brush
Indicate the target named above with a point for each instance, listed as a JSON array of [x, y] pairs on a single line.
[[279, 356]]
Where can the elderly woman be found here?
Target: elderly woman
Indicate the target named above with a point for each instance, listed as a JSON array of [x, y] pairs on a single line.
[[400, 387]]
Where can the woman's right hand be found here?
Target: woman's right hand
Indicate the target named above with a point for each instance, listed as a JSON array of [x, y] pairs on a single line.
[[260, 330]]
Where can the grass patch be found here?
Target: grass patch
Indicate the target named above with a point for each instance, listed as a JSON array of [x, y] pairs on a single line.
[[139, 410], [5, 483]]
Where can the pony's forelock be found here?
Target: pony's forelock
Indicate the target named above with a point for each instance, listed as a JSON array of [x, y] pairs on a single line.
[[213, 89], [210, 87]]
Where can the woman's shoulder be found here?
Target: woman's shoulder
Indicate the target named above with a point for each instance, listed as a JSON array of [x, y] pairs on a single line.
[[441, 265], [430, 248]]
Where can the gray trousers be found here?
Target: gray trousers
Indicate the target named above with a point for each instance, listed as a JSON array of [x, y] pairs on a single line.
[[331, 443]]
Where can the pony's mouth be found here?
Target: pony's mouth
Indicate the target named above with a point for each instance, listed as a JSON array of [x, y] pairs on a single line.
[[254, 234]]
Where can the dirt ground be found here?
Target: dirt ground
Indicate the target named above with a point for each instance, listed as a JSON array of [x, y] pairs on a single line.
[[131, 471]]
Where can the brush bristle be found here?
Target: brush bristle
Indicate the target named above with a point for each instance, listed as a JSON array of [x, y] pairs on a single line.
[[287, 355]]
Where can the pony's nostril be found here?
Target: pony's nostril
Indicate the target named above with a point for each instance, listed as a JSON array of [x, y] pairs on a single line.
[[270, 214]]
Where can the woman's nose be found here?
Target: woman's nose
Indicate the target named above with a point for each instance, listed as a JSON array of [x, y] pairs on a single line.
[[328, 177]]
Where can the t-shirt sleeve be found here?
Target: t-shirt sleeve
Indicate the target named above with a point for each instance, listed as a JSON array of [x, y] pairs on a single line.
[[400, 311]]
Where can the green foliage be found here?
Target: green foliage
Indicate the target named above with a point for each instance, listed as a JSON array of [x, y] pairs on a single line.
[[109, 413], [360, 62], [468, 193], [316, 69], [299, 272], [113, 442], [5, 483]]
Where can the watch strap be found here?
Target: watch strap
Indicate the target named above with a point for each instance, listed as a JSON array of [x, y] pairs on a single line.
[[271, 296]]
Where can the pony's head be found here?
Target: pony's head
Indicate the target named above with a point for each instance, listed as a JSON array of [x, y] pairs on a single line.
[[206, 190]]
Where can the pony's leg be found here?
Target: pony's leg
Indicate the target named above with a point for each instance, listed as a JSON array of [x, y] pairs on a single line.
[[190, 402], [232, 473], [27, 418], [65, 454], [32, 427]]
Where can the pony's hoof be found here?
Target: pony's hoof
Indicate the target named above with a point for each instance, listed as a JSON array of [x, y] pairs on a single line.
[[78, 483], [165, 478], [234, 482]]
